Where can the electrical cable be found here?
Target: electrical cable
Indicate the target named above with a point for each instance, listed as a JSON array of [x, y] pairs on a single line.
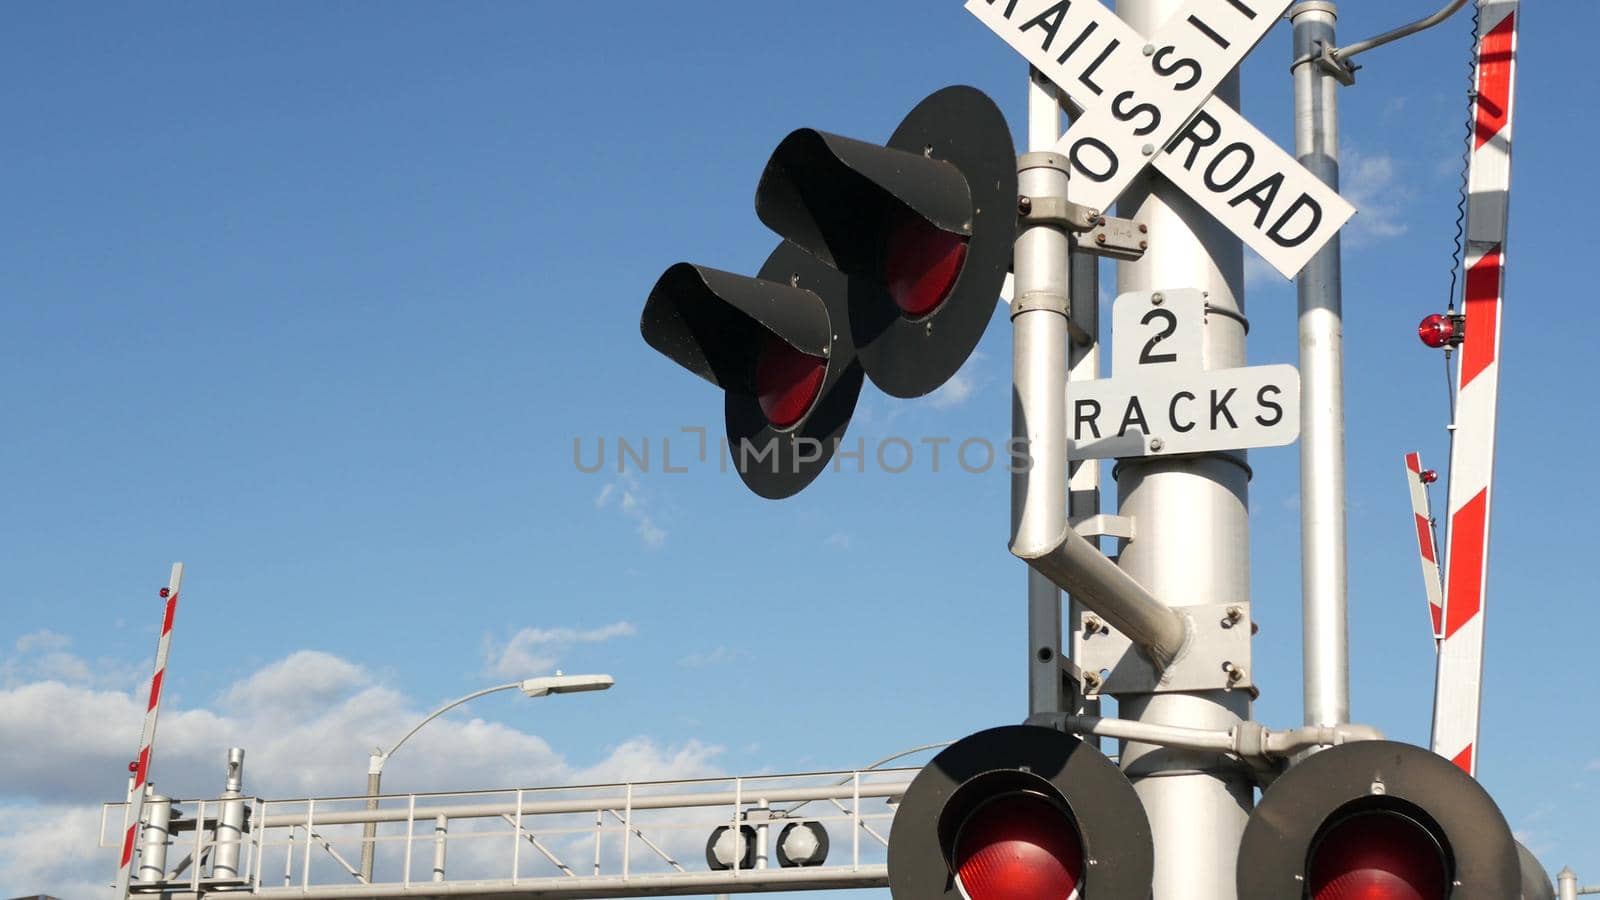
[[1457, 256], [1458, 262]]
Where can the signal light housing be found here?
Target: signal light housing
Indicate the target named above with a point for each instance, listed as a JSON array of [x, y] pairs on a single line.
[[725, 846], [802, 844], [1016, 813], [1377, 820], [923, 226], [774, 344], [1442, 330]]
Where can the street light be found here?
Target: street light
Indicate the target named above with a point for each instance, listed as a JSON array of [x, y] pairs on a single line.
[[532, 687]]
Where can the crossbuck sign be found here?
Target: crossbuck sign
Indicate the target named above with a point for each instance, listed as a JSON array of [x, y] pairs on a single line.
[[1149, 102]]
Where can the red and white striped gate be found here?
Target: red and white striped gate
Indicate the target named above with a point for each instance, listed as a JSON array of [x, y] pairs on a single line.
[[1427, 549], [147, 734], [1459, 690]]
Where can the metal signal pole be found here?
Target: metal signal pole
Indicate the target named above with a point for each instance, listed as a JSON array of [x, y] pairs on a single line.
[[1039, 317], [1193, 538], [1323, 566]]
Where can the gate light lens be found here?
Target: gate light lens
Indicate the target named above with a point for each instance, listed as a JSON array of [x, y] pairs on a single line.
[[787, 382], [922, 263], [1378, 856], [1436, 330], [1019, 847]]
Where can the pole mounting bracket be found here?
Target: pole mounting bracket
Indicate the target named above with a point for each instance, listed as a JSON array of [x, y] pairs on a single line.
[[1096, 233], [1216, 655], [1328, 59], [1056, 211], [1105, 525]]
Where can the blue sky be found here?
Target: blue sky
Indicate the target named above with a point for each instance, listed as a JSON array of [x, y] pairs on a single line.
[[318, 297]]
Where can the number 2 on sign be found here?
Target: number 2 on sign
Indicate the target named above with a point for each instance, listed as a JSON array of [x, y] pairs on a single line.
[[1148, 356]]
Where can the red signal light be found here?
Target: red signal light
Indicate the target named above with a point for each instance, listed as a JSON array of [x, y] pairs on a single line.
[[1378, 855], [921, 263], [1428, 476], [1019, 846], [1440, 330], [787, 382]]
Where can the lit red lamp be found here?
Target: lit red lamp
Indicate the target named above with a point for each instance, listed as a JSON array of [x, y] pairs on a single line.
[[1441, 330], [1378, 855], [922, 263], [1019, 847]]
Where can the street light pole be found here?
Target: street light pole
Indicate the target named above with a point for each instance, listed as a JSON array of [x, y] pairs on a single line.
[[532, 687]]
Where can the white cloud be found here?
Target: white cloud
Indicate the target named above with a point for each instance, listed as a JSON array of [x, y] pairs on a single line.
[[1593, 766], [838, 541], [533, 651], [954, 392], [960, 387], [628, 497], [53, 853], [717, 656], [308, 723], [44, 656], [299, 685], [1258, 273], [44, 639], [1371, 184]]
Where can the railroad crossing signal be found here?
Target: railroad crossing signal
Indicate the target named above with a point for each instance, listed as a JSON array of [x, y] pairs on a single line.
[[893, 261], [1377, 819], [1016, 812], [772, 344], [1148, 102]]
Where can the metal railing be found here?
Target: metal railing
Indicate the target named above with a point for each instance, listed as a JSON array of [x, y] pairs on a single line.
[[615, 840]]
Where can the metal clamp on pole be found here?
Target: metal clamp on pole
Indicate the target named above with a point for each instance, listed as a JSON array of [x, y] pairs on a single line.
[[1098, 234]]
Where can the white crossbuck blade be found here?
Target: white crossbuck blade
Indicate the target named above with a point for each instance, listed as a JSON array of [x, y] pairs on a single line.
[[1149, 102]]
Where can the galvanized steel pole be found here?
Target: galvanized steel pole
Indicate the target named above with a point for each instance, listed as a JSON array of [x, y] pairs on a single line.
[[1042, 268], [1193, 546], [1323, 566], [1039, 370]]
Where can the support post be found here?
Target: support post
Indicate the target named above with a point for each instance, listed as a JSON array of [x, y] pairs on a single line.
[[1193, 542], [230, 820], [154, 837], [1323, 567], [1567, 882], [1038, 414], [441, 837], [369, 830], [762, 833], [1083, 476]]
